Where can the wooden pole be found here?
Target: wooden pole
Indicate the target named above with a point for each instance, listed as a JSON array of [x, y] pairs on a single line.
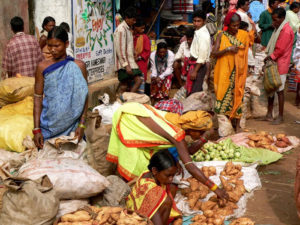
[[155, 18]]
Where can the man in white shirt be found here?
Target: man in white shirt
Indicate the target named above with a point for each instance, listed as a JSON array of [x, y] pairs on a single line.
[[243, 7], [200, 54], [182, 56]]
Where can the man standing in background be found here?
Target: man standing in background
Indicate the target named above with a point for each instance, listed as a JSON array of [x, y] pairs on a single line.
[[22, 53], [265, 22]]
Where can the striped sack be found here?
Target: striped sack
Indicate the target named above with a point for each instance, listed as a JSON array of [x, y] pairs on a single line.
[[272, 80]]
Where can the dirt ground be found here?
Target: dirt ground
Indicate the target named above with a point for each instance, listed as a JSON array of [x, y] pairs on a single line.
[[274, 203]]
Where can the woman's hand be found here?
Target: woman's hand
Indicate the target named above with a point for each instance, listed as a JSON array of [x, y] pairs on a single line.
[[79, 132], [232, 49], [39, 140], [221, 193]]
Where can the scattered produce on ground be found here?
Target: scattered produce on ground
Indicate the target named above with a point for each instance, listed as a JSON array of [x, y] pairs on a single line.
[[263, 139], [242, 221], [92, 215]]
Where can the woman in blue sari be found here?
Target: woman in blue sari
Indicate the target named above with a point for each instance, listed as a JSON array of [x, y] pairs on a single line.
[[60, 99]]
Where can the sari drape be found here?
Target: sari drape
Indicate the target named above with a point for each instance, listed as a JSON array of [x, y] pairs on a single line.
[[230, 74], [65, 92], [132, 143]]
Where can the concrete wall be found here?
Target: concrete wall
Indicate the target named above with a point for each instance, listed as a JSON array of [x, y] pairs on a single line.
[[9, 9], [60, 10]]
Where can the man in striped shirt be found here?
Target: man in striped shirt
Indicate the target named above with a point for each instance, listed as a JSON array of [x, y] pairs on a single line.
[[126, 67]]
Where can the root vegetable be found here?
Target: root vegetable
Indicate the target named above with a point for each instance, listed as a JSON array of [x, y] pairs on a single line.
[[286, 140], [207, 205], [199, 218], [178, 222], [208, 213], [242, 221], [76, 217], [281, 144], [251, 143]]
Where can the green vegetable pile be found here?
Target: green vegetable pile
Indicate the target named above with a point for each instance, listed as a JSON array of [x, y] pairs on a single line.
[[226, 150], [217, 152]]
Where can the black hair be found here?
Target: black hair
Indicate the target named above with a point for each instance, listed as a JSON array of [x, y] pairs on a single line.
[[46, 21], [139, 22], [207, 7], [243, 25], [241, 3], [58, 33], [17, 24], [236, 17], [161, 45], [190, 32], [280, 12], [294, 5], [65, 26], [130, 12], [271, 2], [200, 14], [162, 160]]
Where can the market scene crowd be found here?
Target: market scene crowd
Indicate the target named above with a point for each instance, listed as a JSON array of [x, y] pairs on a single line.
[[174, 148]]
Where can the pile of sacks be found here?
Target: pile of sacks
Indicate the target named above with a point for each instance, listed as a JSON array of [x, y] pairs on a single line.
[[16, 112]]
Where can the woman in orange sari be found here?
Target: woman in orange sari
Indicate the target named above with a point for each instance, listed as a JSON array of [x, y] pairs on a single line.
[[231, 52], [153, 194]]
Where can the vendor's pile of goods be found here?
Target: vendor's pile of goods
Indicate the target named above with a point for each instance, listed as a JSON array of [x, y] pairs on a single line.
[[265, 140], [103, 216], [215, 210], [216, 152], [242, 221]]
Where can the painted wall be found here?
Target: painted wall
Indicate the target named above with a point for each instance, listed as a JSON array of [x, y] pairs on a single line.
[[60, 10], [9, 9]]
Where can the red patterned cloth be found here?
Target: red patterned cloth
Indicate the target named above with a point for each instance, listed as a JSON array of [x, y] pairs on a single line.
[[187, 69], [22, 55], [160, 89], [171, 105], [183, 6]]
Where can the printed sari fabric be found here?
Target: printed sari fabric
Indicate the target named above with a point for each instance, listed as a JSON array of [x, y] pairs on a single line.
[[65, 93], [230, 75], [132, 143], [147, 197], [160, 89]]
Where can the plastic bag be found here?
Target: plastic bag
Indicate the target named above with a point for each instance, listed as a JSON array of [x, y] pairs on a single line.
[[15, 89], [114, 195], [197, 101], [16, 122], [225, 127], [97, 145], [29, 202], [72, 179], [107, 112]]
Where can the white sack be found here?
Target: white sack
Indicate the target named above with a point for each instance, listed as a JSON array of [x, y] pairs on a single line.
[[69, 206], [72, 179], [107, 112]]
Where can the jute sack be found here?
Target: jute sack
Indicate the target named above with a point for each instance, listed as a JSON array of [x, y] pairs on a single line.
[[114, 194], [28, 202], [98, 136]]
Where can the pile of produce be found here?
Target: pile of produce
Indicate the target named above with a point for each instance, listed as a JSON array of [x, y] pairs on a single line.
[[265, 140], [103, 216], [217, 152], [197, 190], [215, 210], [242, 221]]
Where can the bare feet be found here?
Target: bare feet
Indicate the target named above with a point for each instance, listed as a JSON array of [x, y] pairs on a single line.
[[268, 118], [278, 121]]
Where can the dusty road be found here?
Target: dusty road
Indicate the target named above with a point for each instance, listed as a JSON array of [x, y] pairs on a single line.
[[274, 202]]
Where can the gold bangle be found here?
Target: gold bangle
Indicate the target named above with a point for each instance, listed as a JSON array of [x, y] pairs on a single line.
[[190, 162], [214, 187], [38, 96], [81, 126]]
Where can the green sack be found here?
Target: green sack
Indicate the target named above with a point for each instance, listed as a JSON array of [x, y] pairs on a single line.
[[272, 80]]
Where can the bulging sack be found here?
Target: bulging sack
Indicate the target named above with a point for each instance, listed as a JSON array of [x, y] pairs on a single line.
[[28, 202], [15, 89], [225, 127], [72, 179], [16, 122], [272, 80], [197, 101], [97, 145]]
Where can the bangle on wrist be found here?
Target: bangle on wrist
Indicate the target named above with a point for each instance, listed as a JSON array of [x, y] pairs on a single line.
[[81, 125], [215, 187], [203, 140], [187, 163], [36, 131]]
